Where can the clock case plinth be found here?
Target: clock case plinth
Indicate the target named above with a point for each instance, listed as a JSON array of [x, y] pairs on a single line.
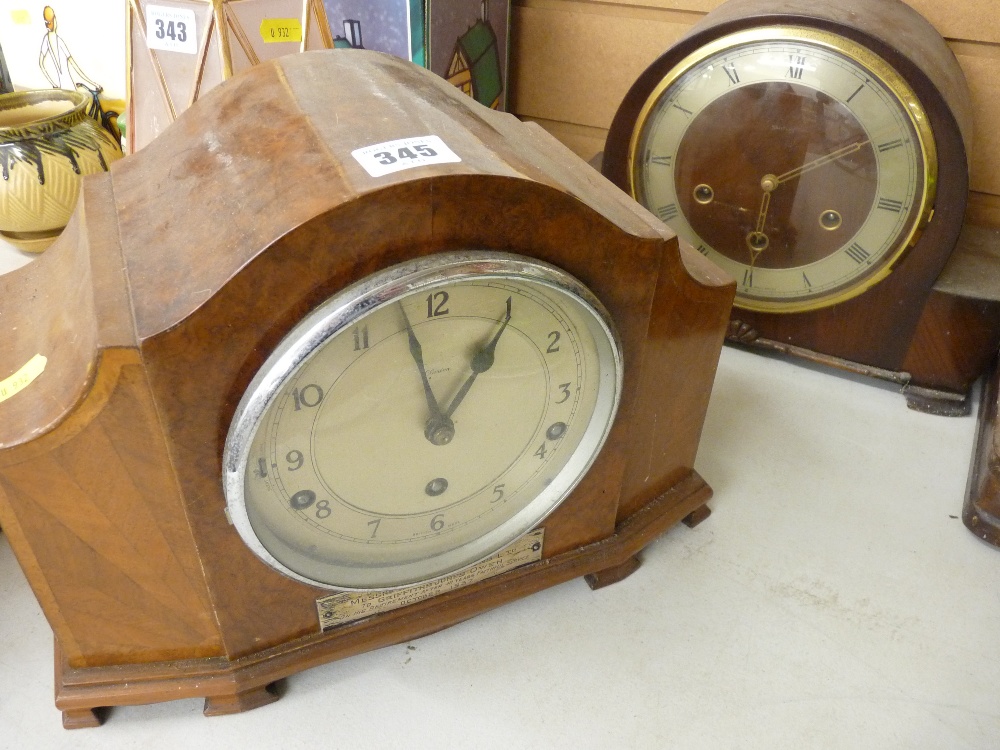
[[932, 343], [180, 272]]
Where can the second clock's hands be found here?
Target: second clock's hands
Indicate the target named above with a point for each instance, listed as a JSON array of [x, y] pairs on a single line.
[[840, 153], [482, 360], [757, 240], [439, 428]]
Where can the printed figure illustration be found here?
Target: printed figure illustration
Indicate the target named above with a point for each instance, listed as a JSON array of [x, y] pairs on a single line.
[[63, 72], [57, 62]]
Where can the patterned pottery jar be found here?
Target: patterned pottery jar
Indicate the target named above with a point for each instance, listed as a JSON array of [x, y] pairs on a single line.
[[48, 143]]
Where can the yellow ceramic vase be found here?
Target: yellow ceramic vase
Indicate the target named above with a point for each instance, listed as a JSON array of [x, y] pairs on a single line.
[[48, 142]]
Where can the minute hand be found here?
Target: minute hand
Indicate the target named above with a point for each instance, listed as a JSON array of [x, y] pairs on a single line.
[[840, 153], [481, 362], [416, 351]]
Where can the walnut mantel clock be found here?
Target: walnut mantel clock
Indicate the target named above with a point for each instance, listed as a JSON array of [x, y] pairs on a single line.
[[339, 360], [817, 152]]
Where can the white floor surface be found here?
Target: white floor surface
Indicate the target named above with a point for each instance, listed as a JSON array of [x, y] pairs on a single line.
[[11, 257], [832, 600]]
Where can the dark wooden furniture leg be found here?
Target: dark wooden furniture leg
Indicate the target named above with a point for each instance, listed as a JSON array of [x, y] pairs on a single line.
[[981, 512]]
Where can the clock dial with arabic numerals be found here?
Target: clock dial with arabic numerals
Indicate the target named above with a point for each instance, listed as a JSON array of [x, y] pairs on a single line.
[[794, 158], [421, 420], [358, 421]]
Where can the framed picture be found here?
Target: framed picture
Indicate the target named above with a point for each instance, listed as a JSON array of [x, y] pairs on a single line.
[[393, 26], [463, 41]]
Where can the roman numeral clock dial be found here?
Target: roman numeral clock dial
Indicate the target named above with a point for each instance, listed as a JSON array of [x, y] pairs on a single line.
[[803, 168], [823, 165]]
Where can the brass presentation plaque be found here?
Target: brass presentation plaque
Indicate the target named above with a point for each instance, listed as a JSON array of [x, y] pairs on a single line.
[[340, 609]]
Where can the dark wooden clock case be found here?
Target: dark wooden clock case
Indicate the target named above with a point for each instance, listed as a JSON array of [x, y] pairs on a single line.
[[185, 266], [932, 343]]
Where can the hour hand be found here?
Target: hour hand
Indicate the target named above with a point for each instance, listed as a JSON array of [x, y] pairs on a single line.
[[439, 428], [757, 240], [482, 360]]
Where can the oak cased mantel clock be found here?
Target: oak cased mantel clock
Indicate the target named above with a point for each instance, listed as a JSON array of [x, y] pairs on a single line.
[[818, 153], [340, 359]]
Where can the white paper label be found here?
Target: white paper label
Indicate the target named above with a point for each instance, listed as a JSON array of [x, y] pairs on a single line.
[[171, 29], [406, 153]]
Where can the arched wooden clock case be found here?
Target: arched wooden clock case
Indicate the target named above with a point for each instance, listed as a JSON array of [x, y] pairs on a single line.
[[933, 343], [129, 344]]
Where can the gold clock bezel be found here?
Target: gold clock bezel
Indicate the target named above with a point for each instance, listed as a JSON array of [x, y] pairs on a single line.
[[865, 58]]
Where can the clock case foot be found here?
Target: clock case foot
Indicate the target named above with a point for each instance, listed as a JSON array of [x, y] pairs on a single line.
[[623, 570], [81, 718], [233, 686]]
